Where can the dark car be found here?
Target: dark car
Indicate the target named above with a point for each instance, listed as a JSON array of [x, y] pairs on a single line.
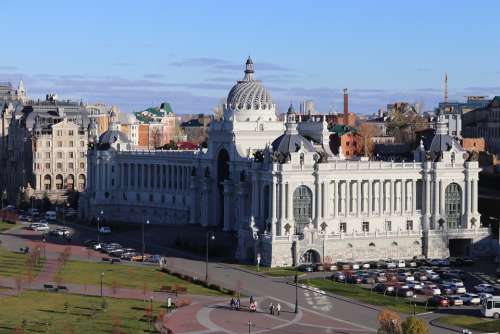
[[89, 243], [306, 268], [355, 279], [468, 261], [404, 292], [439, 301]]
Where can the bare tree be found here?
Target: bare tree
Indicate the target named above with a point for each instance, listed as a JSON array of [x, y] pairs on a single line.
[[155, 137], [218, 110]]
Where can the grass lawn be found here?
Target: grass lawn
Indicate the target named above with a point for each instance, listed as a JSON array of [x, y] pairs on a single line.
[[4, 226], [474, 323], [44, 312], [14, 264], [364, 295], [126, 276], [274, 272]]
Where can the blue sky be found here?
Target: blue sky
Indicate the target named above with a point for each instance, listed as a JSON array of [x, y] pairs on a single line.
[[140, 53]]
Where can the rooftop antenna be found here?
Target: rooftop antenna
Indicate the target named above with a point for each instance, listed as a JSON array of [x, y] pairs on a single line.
[[445, 87]]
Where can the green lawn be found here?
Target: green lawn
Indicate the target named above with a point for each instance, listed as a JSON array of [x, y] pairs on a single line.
[[365, 295], [4, 226], [127, 276], [473, 323], [44, 312], [274, 272], [14, 264]]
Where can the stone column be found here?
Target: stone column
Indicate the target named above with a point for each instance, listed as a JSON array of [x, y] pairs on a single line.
[[441, 199], [391, 199], [325, 200], [316, 199], [227, 205], [358, 199], [435, 199], [427, 201], [335, 198], [474, 197], [205, 202], [193, 215], [414, 196], [369, 204], [274, 209], [289, 197]]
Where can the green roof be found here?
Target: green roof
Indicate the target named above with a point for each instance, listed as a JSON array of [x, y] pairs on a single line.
[[341, 129], [167, 110]]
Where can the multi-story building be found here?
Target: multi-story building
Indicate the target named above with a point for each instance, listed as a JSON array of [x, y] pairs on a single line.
[[455, 111], [286, 196], [485, 122], [156, 126], [45, 155], [99, 113]]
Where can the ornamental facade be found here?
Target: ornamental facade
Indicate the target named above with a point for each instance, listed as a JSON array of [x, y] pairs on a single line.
[[286, 196]]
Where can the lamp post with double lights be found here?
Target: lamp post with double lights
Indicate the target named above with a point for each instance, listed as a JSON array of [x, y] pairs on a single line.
[[99, 227], [210, 236]]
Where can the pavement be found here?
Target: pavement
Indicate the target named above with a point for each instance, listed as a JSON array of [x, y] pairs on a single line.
[[318, 312]]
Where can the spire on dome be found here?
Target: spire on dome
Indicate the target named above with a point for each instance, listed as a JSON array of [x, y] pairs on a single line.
[[249, 70], [21, 88], [290, 110]]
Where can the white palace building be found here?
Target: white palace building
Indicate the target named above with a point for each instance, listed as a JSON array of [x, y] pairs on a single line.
[[279, 188]]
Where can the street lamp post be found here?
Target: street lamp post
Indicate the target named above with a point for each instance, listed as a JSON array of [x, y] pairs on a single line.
[[296, 291], [151, 314], [143, 244], [212, 237], [102, 276], [98, 227], [258, 262], [4, 196], [414, 305]]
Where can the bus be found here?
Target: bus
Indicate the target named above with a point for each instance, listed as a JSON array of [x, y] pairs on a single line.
[[491, 307]]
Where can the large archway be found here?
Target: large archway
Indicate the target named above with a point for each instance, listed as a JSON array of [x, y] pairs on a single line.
[[453, 205], [222, 175], [302, 208], [311, 256]]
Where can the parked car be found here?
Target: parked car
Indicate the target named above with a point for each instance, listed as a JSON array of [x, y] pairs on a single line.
[[454, 281], [137, 258], [458, 288], [439, 301], [411, 264], [471, 299], [455, 300], [153, 258], [484, 287], [338, 276], [421, 276], [50, 215], [368, 279], [405, 292], [306, 268], [99, 246], [319, 267], [116, 252], [390, 264], [383, 288], [354, 279], [431, 289], [365, 265], [330, 266], [105, 230], [380, 278], [405, 277], [431, 275], [484, 295], [446, 289], [90, 243], [355, 266], [128, 255], [401, 264], [417, 287]]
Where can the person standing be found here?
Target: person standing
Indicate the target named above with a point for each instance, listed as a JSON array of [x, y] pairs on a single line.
[[271, 308], [278, 309]]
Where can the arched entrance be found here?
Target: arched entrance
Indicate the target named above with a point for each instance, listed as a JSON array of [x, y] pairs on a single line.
[[453, 205], [302, 208], [311, 256], [222, 175]]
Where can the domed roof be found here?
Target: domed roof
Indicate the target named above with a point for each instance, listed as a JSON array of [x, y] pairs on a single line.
[[248, 93], [289, 143], [112, 136]]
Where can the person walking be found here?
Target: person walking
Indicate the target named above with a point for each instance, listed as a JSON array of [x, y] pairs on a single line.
[[278, 309], [271, 308], [238, 303]]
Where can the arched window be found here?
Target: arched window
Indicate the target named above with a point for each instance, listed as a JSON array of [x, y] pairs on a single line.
[[453, 205], [47, 182], [302, 208], [59, 181], [394, 243], [371, 244]]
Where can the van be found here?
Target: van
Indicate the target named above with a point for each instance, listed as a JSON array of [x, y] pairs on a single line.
[[50, 215], [491, 307]]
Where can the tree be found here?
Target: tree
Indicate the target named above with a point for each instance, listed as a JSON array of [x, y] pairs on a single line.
[[413, 325], [218, 110], [368, 131], [390, 322], [155, 136]]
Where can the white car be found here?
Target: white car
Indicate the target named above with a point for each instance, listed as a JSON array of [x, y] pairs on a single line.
[[455, 300], [401, 264], [455, 281], [471, 299], [42, 227], [415, 286], [484, 288], [458, 288], [390, 264], [105, 230], [484, 295], [431, 275]]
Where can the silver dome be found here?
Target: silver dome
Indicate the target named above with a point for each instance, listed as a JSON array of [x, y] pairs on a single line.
[[249, 94]]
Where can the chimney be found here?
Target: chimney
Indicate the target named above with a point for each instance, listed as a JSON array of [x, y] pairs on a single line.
[[346, 106]]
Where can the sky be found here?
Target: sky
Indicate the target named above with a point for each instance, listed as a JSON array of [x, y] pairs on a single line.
[[136, 54]]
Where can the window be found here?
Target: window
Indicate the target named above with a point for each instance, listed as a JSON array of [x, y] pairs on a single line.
[[302, 208], [47, 165], [112, 182], [138, 197], [47, 155], [388, 226], [366, 227], [59, 144], [453, 205], [82, 143], [82, 165], [163, 198], [59, 133], [47, 144], [59, 165], [71, 155], [409, 225], [173, 199], [151, 198], [71, 143], [37, 166], [82, 154], [347, 143], [70, 165], [70, 133], [59, 155], [343, 227]]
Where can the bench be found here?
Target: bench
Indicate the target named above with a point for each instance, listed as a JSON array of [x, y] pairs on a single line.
[[48, 286], [166, 288]]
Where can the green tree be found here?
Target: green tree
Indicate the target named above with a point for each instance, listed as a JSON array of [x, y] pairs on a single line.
[[413, 325]]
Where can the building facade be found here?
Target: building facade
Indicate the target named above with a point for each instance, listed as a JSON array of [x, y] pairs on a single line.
[[278, 187], [485, 123]]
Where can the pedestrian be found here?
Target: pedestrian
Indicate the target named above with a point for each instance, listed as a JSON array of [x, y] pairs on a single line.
[[271, 308], [232, 303], [278, 309], [251, 300], [238, 303]]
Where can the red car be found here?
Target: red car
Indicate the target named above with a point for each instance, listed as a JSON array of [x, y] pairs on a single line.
[[439, 301]]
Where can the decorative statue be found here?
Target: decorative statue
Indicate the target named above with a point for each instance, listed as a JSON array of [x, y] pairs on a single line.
[[280, 157], [323, 157], [473, 156], [253, 228], [258, 156]]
